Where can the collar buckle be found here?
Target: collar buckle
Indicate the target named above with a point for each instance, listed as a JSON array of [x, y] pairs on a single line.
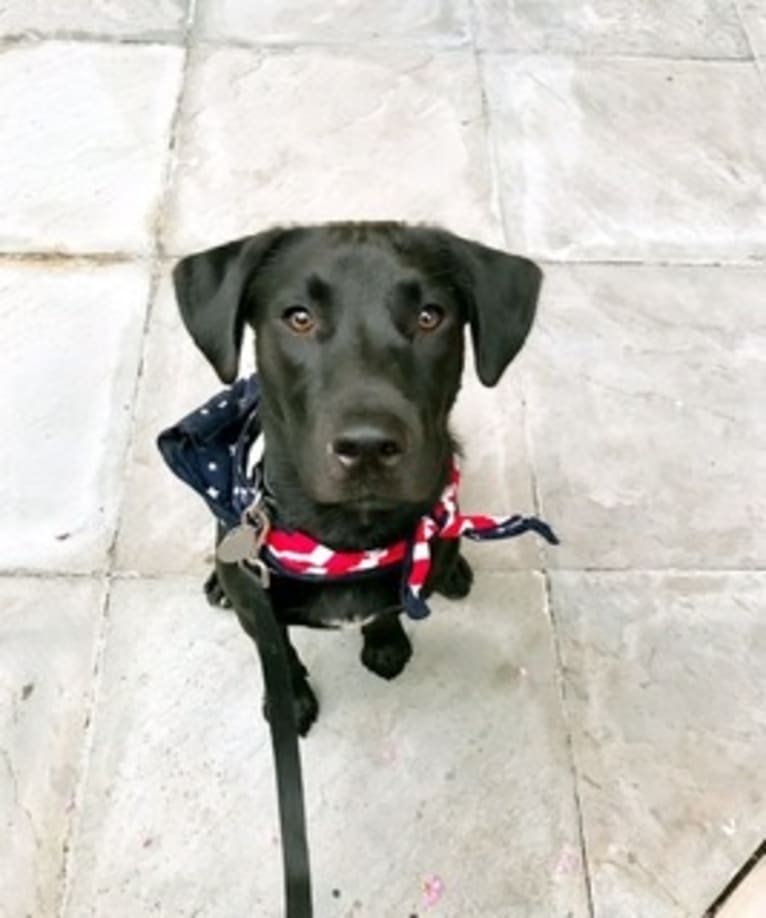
[[258, 569]]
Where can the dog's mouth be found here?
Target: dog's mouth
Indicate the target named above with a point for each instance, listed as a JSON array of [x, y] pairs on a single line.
[[367, 499], [372, 512], [374, 503], [374, 498], [370, 504]]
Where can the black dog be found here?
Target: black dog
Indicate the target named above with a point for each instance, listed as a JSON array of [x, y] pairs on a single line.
[[359, 348]]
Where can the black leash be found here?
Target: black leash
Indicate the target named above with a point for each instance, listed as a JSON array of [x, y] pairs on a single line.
[[284, 742]]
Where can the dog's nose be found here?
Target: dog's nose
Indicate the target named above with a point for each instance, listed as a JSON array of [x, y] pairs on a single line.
[[367, 445]]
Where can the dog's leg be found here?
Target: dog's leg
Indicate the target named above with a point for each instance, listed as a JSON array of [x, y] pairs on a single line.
[[457, 581], [214, 592], [386, 647], [306, 706], [242, 595], [451, 574]]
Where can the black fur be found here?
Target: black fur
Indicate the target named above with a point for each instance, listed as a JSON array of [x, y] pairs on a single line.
[[355, 407]]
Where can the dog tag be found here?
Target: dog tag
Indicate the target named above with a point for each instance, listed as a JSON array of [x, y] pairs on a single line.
[[237, 545], [243, 542]]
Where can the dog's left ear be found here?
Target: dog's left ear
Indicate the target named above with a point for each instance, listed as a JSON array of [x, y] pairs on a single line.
[[501, 292]]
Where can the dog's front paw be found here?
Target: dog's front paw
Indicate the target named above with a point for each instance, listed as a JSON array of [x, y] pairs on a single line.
[[305, 707], [214, 592], [386, 655], [457, 582]]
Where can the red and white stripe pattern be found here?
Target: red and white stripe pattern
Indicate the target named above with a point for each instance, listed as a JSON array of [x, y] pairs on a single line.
[[299, 555]]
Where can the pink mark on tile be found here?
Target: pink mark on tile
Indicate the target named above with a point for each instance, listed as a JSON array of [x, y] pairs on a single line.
[[568, 862], [433, 890], [389, 754]]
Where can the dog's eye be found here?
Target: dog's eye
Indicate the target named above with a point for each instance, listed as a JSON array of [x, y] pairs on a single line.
[[430, 317], [299, 319]]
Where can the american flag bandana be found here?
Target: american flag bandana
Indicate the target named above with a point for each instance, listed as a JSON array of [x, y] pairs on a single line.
[[209, 450]]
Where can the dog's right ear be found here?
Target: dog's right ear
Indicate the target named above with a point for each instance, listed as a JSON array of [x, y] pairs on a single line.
[[210, 288]]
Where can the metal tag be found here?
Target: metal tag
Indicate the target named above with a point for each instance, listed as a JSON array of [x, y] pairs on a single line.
[[243, 542], [237, 545]]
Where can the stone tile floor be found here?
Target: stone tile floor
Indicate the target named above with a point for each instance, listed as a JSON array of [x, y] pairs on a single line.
[[584, 736]]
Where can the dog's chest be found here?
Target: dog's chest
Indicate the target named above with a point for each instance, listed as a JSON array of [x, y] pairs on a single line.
[[336, 605]]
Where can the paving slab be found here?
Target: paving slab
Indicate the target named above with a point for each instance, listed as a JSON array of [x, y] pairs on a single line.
[[145, 19], [48, 633], [442, 22], [696, 29], [643, 389], [663, 684], [85, 135], [70, 338], [265, 140], [636, 160]]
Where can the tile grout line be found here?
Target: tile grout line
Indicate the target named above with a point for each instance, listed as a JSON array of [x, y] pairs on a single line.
[[489, 134], [73, 258], [496, 200], [133, 573], [548, 599], [171, 38], [155, 259], [472, 26], [755, 264], [741, 19], [760, 63], [74, 807], [558, 656], [346, 46], [33, 38], [616, 57]]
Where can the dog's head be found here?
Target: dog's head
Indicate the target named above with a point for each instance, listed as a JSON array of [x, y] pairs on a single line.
[[359, 344]]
